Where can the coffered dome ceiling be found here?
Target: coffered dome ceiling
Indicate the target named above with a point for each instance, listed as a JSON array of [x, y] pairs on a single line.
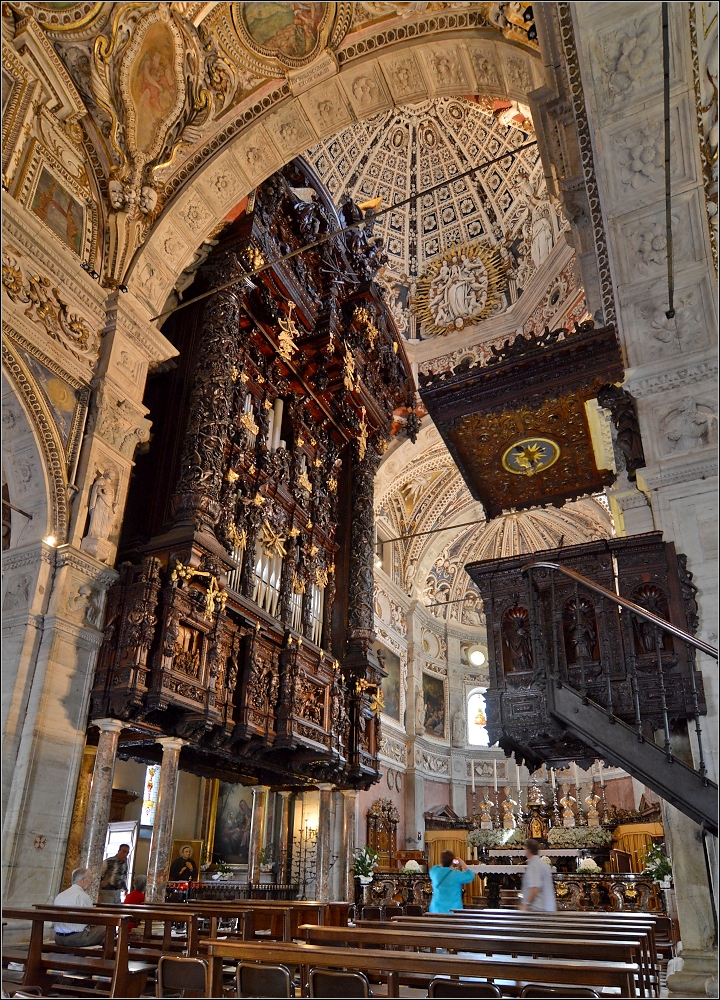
[[503, 213], [419, 489]]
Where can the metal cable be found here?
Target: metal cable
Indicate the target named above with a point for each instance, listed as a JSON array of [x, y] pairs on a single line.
[[668, 198]]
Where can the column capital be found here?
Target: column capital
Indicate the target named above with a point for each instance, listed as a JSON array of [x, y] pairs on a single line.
[[170, 743], [325, 786], [108, 725], [260, 788], [285, 793], [350, 793]]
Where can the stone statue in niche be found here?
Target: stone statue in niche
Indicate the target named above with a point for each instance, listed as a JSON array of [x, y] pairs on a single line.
[[581, 630], [419, 713], [458, 729], [102, 508], [567, 802]]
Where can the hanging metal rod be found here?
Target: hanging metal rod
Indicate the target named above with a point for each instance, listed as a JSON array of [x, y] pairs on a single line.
[[432, 531], [18, 509], [668, 182], [338, 232]]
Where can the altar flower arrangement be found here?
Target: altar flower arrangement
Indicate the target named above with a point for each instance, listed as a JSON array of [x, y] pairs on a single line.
[[579, 836], [412, 866], [364, 864], [497, 838], [657, 865], [588, 867], [547, 860]]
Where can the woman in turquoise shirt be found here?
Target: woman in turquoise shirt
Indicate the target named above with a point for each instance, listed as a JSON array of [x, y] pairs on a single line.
[[447, 882]]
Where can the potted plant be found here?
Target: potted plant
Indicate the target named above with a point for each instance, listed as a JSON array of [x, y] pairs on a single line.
[[266, 863], [363, 867], [222, 872], [658, 867]]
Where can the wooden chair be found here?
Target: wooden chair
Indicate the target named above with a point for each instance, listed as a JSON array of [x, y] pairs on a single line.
[[328, 983], [256, 979], [443, 987], [558, 991], [191, 976], [393, 911], [372, 913], [414, 910]]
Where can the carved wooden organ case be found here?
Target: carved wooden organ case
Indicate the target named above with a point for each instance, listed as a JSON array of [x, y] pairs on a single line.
[[243, 619], [584, 643]]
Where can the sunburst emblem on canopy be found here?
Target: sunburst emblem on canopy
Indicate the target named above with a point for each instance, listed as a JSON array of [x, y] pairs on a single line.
[[459, 288]]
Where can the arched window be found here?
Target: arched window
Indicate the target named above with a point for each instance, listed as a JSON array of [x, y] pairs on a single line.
[[477, 719]]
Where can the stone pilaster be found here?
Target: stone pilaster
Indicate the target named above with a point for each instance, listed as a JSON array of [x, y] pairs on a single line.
[[285, 845], [258, 821], [324, 840], [161, 842], [349, 843], [77, 824], [92, 848]]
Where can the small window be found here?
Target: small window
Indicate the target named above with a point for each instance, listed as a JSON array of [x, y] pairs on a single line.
[[477, 719]]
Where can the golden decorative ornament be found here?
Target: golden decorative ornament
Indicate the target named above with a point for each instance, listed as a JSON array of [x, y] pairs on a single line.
[[244, 377], [288, 331], [232, 476], [258, 499], [248, 423], [321, 578], [349, 370], [235, 373], [459, 288], [530, 455], [332, 484], [294, 532], [305, 482], [362, 436], [273, 542], [267, 404], [237, 538]]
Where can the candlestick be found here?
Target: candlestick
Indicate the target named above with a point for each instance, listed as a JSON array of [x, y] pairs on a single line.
[[517, 770], [575, 773], [553, 778], [602, 775], [495, 777]]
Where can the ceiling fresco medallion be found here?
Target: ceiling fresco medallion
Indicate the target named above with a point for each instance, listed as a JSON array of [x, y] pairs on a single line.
[[459, 289], [60, 16], [293, 34], [530, 456]]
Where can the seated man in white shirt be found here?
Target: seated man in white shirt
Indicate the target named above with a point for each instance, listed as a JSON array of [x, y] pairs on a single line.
[[77, 935]]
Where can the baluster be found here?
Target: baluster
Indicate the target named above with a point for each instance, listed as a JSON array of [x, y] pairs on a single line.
[[583, 684], [605, 661], [629, 637], [663, 700], [696, 712], [553, 608]]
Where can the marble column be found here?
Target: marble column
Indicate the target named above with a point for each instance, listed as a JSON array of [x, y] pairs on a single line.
[[322, 855], [161, 842], [351, 799], [284, 855], [77, 824], [258, 821], [98, 806]]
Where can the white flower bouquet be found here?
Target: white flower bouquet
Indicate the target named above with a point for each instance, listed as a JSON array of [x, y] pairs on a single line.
[[588, 867]]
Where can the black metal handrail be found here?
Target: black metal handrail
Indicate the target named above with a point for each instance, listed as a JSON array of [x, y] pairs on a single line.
[[630, 605]]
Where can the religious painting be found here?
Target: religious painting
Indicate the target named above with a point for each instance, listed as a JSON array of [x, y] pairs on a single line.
[[391, 683], [61, 211], [288, 32], [459, 289], [232, 826], [153, 84], [186, 858], [434, 700], [61, 398]]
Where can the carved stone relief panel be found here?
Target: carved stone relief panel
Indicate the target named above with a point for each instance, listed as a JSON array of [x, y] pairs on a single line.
[[327, 108], [366, 90], [405, 77]]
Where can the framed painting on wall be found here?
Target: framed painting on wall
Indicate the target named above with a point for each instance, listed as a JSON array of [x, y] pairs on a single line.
[[185, 860], [59, 209], [434, 699], [231, 841], [392, 683]]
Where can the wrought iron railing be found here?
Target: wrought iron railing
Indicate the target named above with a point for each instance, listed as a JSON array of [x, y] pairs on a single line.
[[591, 643]]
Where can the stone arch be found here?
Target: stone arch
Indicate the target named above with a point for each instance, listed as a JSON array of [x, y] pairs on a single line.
[[396, 66], [33, 463]]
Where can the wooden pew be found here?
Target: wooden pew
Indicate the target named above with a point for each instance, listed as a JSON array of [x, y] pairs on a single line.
[[127, 978], [548, 944], [395, 963], [538, 925]]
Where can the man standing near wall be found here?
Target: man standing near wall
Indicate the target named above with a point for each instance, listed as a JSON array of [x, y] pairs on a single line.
[[114, 877]]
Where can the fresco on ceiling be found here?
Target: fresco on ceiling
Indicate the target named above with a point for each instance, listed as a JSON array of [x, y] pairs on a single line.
[[434, 699], [61, 211], [285, 29], [153, 86], [391, 683]]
